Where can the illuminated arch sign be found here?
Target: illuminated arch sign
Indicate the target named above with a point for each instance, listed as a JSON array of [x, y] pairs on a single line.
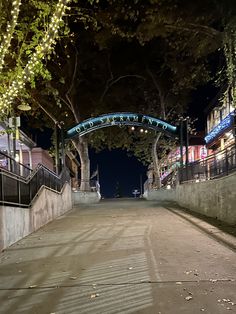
[[121, 118]]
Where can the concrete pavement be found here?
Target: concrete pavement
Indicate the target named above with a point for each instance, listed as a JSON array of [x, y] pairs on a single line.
[[122, 256]]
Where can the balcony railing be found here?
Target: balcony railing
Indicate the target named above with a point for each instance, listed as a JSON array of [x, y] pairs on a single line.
[[214, 166]]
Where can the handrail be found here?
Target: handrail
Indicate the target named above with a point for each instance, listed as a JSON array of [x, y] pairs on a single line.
[[31, 175], [20, 191], [14, 166]]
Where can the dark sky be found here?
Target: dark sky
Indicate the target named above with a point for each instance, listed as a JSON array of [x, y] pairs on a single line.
[[201, 98], [116, 167]]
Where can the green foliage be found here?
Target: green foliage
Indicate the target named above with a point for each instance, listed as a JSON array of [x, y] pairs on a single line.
[[230, 51]]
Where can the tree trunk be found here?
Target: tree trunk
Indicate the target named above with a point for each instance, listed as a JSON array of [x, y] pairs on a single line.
[[156, 165], [81, 145]]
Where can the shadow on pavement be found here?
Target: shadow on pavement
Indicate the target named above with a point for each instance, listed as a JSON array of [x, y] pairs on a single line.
[[219, 230]]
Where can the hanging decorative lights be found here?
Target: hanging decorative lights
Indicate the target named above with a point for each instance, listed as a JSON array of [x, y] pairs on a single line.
[[9, 31], [41, 51]]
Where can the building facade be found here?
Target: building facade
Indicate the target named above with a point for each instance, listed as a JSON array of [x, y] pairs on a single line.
[[220, 128]]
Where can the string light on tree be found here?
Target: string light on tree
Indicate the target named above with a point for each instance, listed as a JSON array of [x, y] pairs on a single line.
[[44, 48], [9, 31]]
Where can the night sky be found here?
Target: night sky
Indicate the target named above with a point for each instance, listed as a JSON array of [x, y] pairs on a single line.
[[103, 60], [115, 167]]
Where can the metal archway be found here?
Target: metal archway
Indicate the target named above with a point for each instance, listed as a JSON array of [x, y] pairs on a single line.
[[122, 118]]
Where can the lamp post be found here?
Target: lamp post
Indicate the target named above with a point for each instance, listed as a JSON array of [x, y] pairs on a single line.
[[181, 143], [184, 141], [62, 144], [57, 126]]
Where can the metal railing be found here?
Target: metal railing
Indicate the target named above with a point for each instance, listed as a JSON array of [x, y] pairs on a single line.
[[10, 164], [214, 166], [20, 191]]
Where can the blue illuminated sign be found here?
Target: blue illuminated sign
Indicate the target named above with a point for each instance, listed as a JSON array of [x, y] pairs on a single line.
[[121, 118], [220, 128]]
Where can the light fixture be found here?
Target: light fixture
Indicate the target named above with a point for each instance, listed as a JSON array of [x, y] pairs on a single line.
[[132, 128], [141, 130], [24, 107]]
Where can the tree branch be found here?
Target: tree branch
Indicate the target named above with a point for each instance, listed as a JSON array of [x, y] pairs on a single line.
[[74, 72], [46, 111], [114, 81], [190, 27], [67, 95], [163, 113]]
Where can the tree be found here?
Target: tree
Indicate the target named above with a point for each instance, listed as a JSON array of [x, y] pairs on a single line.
[[173, 22], [100, 72], [30, 44]]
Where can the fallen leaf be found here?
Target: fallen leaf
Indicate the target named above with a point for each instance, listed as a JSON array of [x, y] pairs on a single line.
[[188, 298], [95, 295], [213, 280], [178, 283], [32, 287], [73, 278]]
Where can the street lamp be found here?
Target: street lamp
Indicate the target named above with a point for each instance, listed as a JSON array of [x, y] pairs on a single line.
[[24, 107]]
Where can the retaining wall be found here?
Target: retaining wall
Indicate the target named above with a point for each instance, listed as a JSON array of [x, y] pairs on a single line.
[[17, 222], [214, 198], [80, 197]]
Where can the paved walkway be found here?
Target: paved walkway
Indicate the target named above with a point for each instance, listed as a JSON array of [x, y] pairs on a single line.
[[127, 256]]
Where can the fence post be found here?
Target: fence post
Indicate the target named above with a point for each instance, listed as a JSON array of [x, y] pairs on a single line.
[[30, 192], [2, 190], [19, 194]]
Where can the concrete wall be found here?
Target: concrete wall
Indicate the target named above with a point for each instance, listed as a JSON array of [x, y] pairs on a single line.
[[16, 222], [214, 198], [80, 197], [161, 195]]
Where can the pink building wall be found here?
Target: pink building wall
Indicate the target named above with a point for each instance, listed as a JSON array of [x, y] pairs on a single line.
[[39, 156]]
